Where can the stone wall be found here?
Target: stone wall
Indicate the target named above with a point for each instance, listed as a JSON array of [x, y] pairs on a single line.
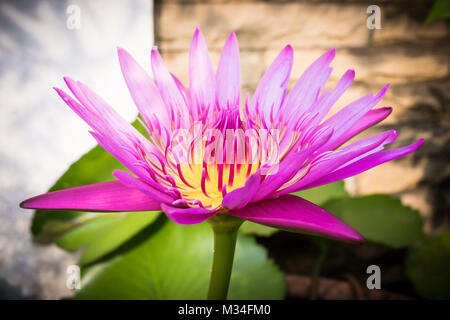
[[412, 57]]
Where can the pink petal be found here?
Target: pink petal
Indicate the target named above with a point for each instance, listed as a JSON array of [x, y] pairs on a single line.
[[106, 196], [143, 91], [119, 151], [239, 198], [288, 168], [184, 92], [168, 88], [286, 171], [112, 142], [296, 214], [369, 119], [307, 89], [103, 118], [130, 181], [323, 105], [365, 164], [187, 215], [228, 75], [107, 120], [272, 88], [201, 75], [349, 115], [336, 159], [86, 114], [111, 131]]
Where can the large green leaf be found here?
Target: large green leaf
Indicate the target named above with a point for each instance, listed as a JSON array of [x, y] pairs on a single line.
[[84, 234], [428, 266], [379, 218], [172, 261], [322, 194], [249, 227], [440, 10], [105, 233]]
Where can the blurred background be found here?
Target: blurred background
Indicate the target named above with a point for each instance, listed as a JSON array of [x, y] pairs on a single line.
[[43, 40]]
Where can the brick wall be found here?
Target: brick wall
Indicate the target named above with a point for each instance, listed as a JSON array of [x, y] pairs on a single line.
[[412, 57]]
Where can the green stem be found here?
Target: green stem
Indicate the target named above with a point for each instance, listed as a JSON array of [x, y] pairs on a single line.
[[323, 250], [225, 229]]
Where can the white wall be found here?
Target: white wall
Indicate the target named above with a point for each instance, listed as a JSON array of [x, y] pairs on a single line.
[[39, 135]]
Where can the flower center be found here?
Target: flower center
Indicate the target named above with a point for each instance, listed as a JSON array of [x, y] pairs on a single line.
[[202, 163], [211, 182]]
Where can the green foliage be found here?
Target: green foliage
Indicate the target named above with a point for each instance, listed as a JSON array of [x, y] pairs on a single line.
[[171, 261], [249, 227], [87, 231], [440, 10], [379, 218], [428, 265], [322, 194], [105, 233]]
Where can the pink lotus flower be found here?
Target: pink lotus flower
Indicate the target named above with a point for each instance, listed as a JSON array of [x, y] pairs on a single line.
[[292, 148]]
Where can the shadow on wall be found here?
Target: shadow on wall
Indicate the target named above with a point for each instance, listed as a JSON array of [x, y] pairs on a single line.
[[431, 120]]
